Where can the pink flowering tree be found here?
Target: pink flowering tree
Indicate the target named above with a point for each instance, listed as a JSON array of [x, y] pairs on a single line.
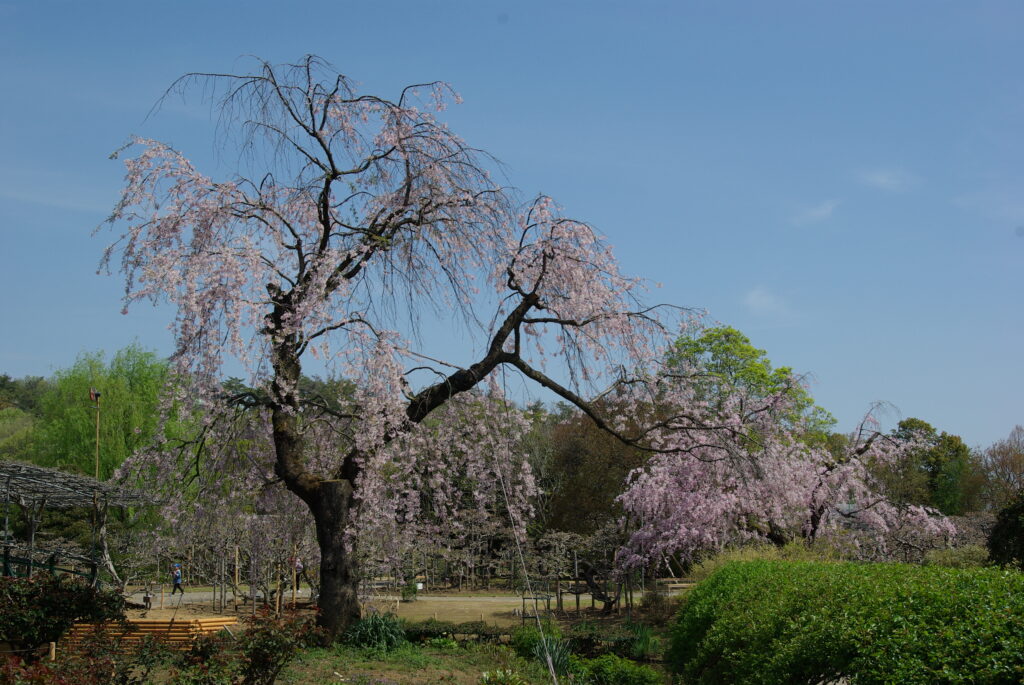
[[349, 218], [715, 488]]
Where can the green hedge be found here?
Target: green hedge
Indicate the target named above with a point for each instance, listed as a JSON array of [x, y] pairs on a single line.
[[812, 622]]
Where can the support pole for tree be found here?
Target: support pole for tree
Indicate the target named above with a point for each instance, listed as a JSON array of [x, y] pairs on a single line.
[[295, 574]]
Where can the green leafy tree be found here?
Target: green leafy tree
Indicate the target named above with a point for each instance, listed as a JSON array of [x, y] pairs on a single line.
[[129, 385], [721, 360], [17, 434], [940, 474], [22, 393]]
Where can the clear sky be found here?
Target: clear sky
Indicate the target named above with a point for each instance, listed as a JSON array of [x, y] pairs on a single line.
[[843, 182]]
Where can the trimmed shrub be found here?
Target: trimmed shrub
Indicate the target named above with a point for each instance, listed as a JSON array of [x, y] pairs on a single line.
[[421, 631], [812, 622]]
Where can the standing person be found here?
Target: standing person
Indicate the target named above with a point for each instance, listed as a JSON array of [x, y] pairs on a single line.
[[176, 578]]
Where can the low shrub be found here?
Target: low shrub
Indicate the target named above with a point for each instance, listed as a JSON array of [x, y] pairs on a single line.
[[421, 631], [269, 643], [381, 632], [610, 669], [445, 643], [971, 556], [807, 622]]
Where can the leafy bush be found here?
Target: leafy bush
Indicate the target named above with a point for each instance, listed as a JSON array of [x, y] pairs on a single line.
[[377, 631], [208, 661], [807, 622], [525, 638], [610, 669], [421, 631], [409, 591], [971, 556], [445, 643], [41, 609]]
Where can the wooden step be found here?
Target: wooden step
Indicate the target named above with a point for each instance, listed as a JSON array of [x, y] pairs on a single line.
[[175, 633]]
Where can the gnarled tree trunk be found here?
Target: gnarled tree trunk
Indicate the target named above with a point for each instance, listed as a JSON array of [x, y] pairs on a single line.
[[339, 578]]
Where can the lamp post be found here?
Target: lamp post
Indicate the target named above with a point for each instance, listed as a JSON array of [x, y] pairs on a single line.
[[94, 396]]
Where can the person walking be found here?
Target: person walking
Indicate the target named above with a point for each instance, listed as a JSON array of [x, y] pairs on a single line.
[[176, 579]]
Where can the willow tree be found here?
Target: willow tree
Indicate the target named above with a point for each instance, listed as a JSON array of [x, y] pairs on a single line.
[[349, 217]]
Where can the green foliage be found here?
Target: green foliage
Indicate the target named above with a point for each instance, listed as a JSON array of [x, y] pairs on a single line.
[[811, 622], [381, 632], [610, 669], [41, 609], [643, 643], [549, 647], [525, 638], [445, 643], [1006, 541], [22, 393], [17, 434], [969, 556], [722, 360]]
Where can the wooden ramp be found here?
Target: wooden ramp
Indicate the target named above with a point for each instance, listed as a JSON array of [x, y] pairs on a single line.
[[176, 633]]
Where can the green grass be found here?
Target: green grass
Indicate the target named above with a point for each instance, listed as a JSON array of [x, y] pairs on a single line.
[[408, 664]]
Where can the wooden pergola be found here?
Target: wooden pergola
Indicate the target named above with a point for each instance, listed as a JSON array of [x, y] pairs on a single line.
[[36, 488]]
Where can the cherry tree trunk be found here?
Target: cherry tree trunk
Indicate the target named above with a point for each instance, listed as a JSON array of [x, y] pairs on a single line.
[[339, 579]]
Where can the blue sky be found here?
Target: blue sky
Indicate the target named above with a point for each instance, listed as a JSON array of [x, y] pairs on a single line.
[[841, 181]]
